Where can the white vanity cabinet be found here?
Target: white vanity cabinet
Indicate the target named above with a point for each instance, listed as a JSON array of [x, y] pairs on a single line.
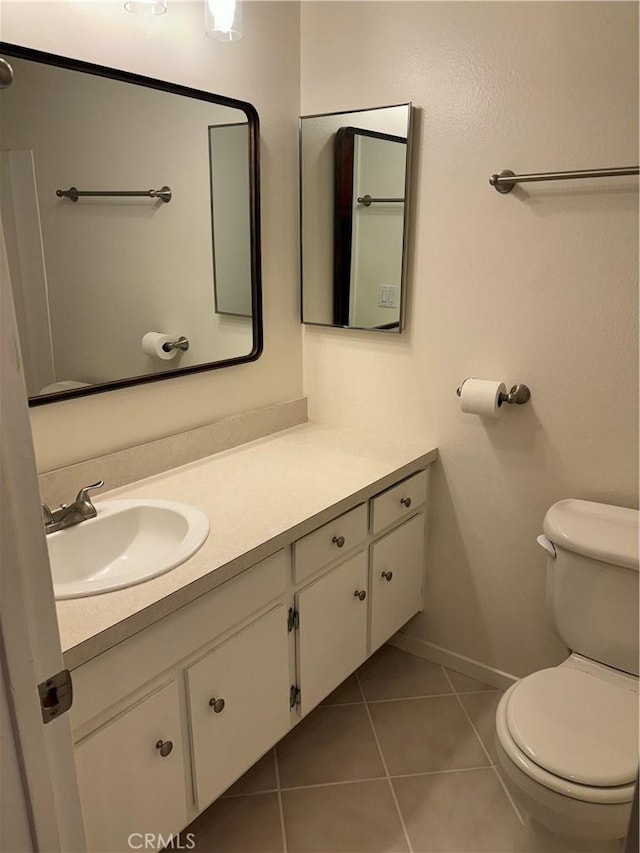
[[397, 574], [332, 632], [131, 774], [238, 703], [224, 677]]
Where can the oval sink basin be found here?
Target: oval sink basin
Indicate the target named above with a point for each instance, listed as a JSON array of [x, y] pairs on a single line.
[[128, 542]]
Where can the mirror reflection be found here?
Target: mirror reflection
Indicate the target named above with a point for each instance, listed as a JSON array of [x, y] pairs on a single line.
[[127, 217], [354, 178]]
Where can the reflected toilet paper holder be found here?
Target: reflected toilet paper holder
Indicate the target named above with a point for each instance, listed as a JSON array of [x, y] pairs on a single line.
[[518, 394]]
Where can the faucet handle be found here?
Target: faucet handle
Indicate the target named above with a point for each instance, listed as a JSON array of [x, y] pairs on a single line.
[[83, 494]]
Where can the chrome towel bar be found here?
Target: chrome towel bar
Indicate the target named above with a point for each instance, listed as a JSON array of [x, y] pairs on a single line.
[[367, 200], [164, 193], [506, 180]]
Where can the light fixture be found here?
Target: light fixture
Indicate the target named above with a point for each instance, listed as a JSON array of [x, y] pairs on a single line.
[[149, 8], [223, 19]]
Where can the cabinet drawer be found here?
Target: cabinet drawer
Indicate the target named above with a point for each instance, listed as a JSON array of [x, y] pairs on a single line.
[[328, 542], [239, 703], [332, 637], [126, 785], [399, 501], [397, 572]]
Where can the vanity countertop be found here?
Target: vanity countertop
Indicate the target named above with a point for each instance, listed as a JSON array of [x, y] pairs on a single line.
[[259, 497]]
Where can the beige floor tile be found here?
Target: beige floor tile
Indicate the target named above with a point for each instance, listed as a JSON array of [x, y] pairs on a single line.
[[347, 693], [466, 812], [238, 825], [423, 735], [394, 674], [481, 707], [259, 778], [357, 818], [332, 744], [465, 684]]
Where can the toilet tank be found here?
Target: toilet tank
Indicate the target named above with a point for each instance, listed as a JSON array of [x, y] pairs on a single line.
[[592, 582]]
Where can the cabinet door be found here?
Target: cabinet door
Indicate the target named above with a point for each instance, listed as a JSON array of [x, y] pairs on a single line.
[[130, 786], [397, 570], [332, 638], [239, 703]]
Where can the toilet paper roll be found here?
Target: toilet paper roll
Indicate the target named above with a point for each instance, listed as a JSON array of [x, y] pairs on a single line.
[[482, 397], [152, 344]]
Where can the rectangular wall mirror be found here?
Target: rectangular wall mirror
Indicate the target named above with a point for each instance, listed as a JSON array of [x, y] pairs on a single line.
[[354, 190], [130, 214]]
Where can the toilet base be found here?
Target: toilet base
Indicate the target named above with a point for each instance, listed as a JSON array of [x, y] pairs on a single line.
[[562, 816], [536, 838]]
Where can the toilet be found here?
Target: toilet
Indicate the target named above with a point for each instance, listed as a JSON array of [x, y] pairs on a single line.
[[567, 737]]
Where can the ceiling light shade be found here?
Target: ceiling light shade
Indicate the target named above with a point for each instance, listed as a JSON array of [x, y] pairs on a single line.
[[146, 7], [223, 19]]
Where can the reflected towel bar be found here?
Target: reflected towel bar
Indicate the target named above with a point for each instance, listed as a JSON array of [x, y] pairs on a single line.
[[367, 200], [506, 180], [164, 193]]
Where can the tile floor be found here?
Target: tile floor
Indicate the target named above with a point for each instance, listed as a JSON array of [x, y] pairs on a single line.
[[399, 758]]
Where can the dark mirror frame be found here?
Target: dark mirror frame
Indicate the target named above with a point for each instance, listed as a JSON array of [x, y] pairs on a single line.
[[19, 52]]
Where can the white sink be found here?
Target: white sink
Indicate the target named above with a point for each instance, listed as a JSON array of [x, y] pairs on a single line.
[[128, 542]]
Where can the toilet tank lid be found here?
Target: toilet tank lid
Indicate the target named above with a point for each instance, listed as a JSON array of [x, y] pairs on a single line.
[[601, 531]]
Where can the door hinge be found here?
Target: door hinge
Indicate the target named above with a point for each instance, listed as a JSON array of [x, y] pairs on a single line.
[[294, 696], [56, 695], [293, 620]]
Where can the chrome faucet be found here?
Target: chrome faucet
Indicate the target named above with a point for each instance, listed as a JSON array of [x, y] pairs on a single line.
[[69, 514]]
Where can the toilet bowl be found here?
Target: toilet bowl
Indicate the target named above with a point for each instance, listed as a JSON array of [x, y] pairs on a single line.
[[567, 743], [567, 737]]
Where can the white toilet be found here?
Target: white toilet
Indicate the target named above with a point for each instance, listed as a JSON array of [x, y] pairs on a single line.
[[567, 737]]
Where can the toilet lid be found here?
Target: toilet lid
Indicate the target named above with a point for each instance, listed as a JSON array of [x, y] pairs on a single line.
[[577, 726]]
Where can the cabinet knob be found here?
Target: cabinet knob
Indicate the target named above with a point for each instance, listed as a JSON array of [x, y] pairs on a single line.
[[361, 594], [338, 540], [387, 575], [217, 705], [406, 502], [164, 747]]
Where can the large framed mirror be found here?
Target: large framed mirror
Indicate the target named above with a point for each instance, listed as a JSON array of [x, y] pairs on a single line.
[[354, 192], [131, 218]]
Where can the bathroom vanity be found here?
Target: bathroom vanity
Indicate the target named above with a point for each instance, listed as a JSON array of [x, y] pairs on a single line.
[[315, 558]]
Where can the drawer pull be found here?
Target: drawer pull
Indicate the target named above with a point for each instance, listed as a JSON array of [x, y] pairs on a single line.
[[387, 575], [338, 540], [361, 594], [217, 705], [164, 747], [406, 502]]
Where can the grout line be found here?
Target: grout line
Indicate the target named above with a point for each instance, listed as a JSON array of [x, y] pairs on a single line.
[[283, 829], [485, 750], [226, 796], [406, 698], [356, 781], [386, 769], [335, 783]]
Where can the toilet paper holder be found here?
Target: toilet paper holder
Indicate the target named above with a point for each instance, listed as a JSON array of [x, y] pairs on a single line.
[[181, 343], [518, 394]]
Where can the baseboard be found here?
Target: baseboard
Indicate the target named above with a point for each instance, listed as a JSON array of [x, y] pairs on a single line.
[[452, 660]]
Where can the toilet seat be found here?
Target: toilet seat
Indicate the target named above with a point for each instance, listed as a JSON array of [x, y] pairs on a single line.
[[521, 757], [562, 718]]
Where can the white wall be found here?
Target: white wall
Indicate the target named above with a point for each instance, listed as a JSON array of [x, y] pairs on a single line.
[[539, 286], [173, 47]]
